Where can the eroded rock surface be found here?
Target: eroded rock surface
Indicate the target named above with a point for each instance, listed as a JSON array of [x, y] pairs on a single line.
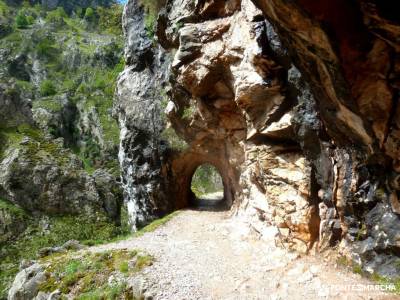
[[294, 102]]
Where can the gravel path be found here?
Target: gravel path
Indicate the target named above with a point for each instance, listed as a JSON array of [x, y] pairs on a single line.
[[204, 254]]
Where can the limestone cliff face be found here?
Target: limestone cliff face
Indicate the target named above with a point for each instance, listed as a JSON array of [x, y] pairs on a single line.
[[296, 107], [139, 93], [57, 128]]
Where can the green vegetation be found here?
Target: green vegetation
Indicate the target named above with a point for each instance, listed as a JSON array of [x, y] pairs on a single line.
[[4, 9], [60, 230], [89, 14], [94, 37], [48, 104], [206, 180], [151, 8], [46, 49], [156, 224], [86, 276], [188, 112], [79, 228], [36, 147], [383, 280], [47, 88], [79, 57], [110, 19], [357, 269], [11, 208], [57, 16], [174, 140], [21, 21]]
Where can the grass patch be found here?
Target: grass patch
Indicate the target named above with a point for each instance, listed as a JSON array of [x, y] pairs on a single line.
[[61, 230], [357, 269], [87, 276], [156, 224], [383, 280], [143, 261], [124, 267], [48, 104], [12, 208]]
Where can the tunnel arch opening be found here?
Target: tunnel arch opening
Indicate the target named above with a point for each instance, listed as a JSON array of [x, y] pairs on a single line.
[[184, 168], [207, 187]]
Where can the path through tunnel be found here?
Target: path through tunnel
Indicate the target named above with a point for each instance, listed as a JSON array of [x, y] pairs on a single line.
[[207, 188], [201, 176]]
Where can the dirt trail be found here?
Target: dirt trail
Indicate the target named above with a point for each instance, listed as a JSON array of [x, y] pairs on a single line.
[[202, 254]]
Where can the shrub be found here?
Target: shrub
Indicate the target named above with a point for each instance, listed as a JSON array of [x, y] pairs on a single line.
[[89, 14], [149, 23], [79, 12], [30, 20], [4, 9], [47, 88], [151, 7], [45, 48], [56, 16], [21, 21]]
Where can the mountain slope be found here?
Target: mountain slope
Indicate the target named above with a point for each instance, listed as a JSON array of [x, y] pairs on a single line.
[[59, 171]]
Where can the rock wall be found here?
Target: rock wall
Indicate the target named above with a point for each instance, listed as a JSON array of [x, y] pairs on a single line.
[[138, 108], [295, 107], [348, 52]]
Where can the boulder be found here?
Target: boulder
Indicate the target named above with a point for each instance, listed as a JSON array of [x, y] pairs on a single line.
[[26, 283]]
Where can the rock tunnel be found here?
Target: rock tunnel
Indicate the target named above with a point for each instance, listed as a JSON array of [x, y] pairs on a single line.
[[271, 95], [184, 168]]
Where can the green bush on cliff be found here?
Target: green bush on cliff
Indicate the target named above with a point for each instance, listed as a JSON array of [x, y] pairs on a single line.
[[47, 88], [11, 208], [21, 21], [89, 14], [56, 16], [151, 9], [44, 47], [4, 9]]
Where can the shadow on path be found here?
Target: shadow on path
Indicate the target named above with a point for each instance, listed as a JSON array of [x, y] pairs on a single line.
[[210, 202]]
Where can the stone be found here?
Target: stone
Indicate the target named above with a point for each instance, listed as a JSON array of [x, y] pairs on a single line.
[[26, 283], [72, 245]]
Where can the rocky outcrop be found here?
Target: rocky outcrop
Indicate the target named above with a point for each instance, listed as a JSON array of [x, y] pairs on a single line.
[[15, 106], [138, 108], [347, 51], [13, 221], [57, 184], [47, 114], [26, 283], [293, 102], [227, 100]]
